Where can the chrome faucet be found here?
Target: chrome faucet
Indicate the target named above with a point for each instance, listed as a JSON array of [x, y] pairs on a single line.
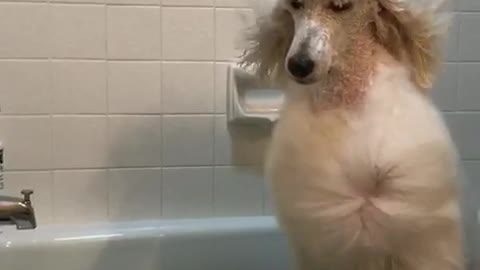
[[18, 211]]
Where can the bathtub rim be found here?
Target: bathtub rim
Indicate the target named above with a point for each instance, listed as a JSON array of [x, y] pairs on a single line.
[[124, 230]]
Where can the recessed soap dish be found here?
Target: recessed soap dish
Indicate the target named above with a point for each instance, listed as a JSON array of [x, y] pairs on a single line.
[[251, 100]]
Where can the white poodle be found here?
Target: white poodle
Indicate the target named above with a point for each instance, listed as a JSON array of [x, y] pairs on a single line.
[[362, 167]]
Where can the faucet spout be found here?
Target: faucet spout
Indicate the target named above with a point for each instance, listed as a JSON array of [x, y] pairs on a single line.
[[17, 211]]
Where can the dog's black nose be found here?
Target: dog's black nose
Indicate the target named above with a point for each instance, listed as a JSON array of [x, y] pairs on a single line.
[[300, 66]]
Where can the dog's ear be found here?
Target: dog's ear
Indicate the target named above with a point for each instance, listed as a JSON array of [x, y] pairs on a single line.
[[413, 33], [268, 43]]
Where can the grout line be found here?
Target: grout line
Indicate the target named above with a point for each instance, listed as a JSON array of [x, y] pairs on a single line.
[[189, 114], [107, 69], [107, 111], [162, 68], [214, 119], [98, 3], [53, 207], [124, 60], [162, 188], [132, 168], [161, 96], [34, 115]]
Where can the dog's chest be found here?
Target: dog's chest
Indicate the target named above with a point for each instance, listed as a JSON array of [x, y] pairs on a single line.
[[341, 145], [321, 143]]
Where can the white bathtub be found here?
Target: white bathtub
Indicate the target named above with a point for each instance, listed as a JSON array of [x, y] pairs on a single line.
[[209, 244]]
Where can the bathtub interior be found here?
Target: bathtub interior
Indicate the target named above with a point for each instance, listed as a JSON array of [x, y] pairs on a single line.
[[253, 243], [211, 244]]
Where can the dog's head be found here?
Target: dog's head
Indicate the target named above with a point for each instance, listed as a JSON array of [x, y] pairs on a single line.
[[305, 39]]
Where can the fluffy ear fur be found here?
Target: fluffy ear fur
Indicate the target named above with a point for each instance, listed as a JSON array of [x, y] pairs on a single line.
[[269, 41], [413, 33]]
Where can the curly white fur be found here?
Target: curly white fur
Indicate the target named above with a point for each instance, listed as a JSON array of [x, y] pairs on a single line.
[[371, 187]]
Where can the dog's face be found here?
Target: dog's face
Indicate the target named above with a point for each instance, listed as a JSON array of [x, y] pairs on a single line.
[[324, 30], [308, 39]]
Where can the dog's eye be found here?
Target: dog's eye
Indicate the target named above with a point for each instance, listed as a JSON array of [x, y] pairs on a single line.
[[296, 4], [340, 7]]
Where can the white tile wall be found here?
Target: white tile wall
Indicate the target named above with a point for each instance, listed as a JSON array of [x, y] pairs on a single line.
[[188, 33], [29, 141], [238, 191], [78, 87], [188, 140], [187, 192], [469, 41], [135, 141], [141, 78], [133, 32], [77, 31], [24, 30], [79, 142], [134, 194], [26, 87], [199, 87], [115, 109], [80, 196]]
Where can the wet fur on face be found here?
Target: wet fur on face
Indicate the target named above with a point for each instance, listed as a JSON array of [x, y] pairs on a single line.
[[411, 33]]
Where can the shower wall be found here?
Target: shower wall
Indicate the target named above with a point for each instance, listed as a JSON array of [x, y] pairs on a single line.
[[115, 110]]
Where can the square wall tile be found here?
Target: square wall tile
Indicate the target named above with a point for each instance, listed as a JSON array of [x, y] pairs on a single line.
[[221, 73], [238, 192], [454, 6], [134, 32], [188, 2], [232, 3], [188, 33], [240, 144], [445, 92], [469, 5], [465, 128], [80, 196], [135, 141], [78, 31], [25, 1], [187, 192], [472, 178], [187, 140], [24, 30], [469, 37], [41, 183], [471, 209], [80, 1], [452, 43], [188, 87], [469, 86], [80, 142], [79, 87], [134, 194], [134, 87], [230, 25], [25, 87], [26, 142]]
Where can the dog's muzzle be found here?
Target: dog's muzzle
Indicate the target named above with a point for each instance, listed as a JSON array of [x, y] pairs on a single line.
[[300, 66]]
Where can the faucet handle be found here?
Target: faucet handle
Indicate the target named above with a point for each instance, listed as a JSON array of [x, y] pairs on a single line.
[[26, 195]]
